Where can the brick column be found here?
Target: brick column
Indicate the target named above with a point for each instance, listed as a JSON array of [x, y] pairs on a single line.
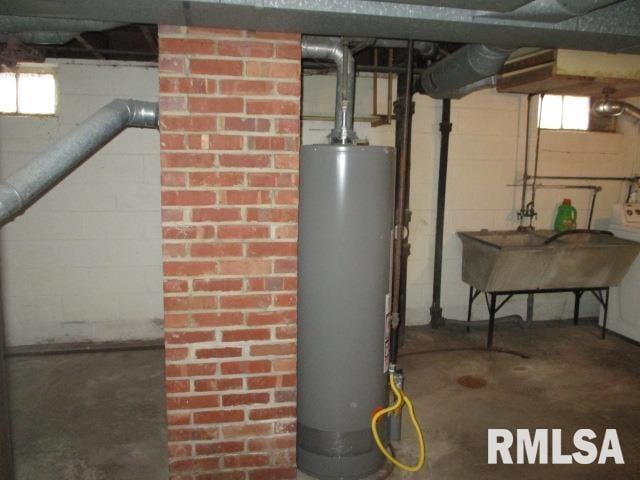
[[229, 121]]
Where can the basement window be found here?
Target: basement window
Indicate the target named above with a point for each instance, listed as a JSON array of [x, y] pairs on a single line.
[[565, 112], [28, 91]]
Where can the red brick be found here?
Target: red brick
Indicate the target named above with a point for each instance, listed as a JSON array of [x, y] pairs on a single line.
[[216, 250], [172, 103], [247, 124], [249, 430], [219, 384], [177, 386], [210, 32], [287, 161], [191, 370], [248, 366], [288, 125], [245, 301], [178, 419], [188, 337], [232, 399], [245, 267], [271, 413], [284, 365], [246, 334], [273, 107], [290, 51], [216, 104], [188, 123], [244, 461], [272, 215], [186, 46], [185, 85], [268, 143], [262, 179], [285, 300], [190, 303], [283, 473], [244, 48], [193, 402], [285, 266], [274, 349], [219, 447], [243, 231], [213, 285], [185, 434], [287, 332], [276, 36], [218, 319], [171, 215], [188, 197], [172, 141], [293, 89], [216, 67], [172, 354], [187, 232], [256, 68], [287, 231], [175, 286], [270, 318], [197, 465], [245, 87], [172, 64], [272, 249], [177, 450], [215, 179], [244, 160], [215, 214], [215, 142], [176, 269], [246, 197], [218, 352], [270, 444], [176, 320], [181, 160], [173, 179], [219, 416], [227, 475]]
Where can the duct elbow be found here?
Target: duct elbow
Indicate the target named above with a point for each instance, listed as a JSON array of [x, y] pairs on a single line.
[[140, 114]]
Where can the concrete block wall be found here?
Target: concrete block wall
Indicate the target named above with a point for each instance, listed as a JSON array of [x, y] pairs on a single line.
[[486, 154], [229, 120], [84, 262]]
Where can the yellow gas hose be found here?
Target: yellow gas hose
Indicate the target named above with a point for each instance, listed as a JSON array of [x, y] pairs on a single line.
[[401, 400]]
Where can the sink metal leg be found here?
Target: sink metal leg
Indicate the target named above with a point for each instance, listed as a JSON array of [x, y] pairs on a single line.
[[470, 305], [576, 306], [605, 305], [492, 320]]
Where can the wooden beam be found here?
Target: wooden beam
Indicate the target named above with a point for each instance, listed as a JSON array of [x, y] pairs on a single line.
[[89, 47]]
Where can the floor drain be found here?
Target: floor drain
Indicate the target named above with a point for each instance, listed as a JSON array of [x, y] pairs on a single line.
[[472, 381]]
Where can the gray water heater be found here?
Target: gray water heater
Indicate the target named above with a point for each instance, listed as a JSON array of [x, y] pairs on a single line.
[[346, 218]]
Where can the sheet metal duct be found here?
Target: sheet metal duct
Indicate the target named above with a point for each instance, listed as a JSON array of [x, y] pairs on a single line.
[[346, 218], [47, 31], [24, 187], [336, 51], [554, 11], [450, 77]]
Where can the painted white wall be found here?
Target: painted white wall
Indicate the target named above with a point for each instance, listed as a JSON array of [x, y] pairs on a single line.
[[84, 263], [486, 154]]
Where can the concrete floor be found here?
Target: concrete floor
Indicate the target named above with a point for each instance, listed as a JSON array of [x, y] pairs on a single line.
[[100, 416]]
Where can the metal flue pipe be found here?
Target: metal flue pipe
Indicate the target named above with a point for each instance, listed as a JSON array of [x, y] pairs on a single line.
[[335, 50], [24, 187], [471, 64], [615, 108]]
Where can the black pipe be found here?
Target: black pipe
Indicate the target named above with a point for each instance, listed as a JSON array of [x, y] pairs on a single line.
[[445, 130], [402, 180], [6, 451]]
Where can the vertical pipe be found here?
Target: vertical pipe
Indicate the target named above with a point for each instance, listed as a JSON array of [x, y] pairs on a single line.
[[6, 456], [525, 174], [402, 181], [445, 130], [492, 320]]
